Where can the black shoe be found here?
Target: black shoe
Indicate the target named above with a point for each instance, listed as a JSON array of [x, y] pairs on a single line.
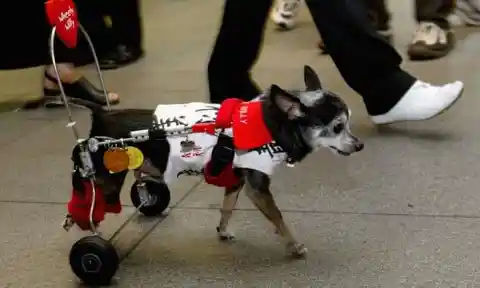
[[122, 56], [80, 89]]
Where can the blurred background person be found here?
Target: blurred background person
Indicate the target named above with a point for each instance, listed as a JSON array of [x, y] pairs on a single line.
[[433, 38], [28, 46], [467, 12], [125, 29], [367, 63]]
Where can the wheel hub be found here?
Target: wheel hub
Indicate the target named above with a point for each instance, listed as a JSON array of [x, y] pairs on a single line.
[[148, 198], [91, 263]]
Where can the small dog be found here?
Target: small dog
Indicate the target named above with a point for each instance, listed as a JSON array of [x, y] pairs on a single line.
[[301, 121]]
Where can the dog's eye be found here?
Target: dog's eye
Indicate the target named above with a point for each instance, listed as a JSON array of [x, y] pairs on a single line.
[[338, 128]]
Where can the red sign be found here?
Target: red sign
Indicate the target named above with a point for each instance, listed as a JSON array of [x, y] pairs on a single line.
[[62, 14]]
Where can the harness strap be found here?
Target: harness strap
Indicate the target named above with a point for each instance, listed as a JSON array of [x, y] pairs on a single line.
[[224, 119], [227, 110]]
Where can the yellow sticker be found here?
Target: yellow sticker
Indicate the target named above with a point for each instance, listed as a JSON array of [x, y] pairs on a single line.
[[116, 160], [135, 158]]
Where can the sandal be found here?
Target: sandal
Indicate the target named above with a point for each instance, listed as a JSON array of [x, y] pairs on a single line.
[[80, 89]]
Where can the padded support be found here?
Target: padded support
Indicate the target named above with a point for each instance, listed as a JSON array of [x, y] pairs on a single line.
[[226, 178], [80, 203], [228, 108], [219, 171], [249, 129]]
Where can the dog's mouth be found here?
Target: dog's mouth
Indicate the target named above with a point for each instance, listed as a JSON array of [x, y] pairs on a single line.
[[343, 153]]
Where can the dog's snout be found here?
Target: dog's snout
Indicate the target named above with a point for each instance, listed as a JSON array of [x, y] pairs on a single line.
[[359, 146]]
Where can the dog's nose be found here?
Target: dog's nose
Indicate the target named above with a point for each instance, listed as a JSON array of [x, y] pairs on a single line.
[[359, 146]]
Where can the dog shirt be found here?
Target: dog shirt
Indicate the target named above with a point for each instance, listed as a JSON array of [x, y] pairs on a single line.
[[189, 154]]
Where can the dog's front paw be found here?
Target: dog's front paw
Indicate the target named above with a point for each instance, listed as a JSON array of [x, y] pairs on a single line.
[[297, 250], [225, 235]]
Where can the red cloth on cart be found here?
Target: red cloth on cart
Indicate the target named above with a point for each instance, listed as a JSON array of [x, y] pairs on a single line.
[[80, 203], [225, 179]]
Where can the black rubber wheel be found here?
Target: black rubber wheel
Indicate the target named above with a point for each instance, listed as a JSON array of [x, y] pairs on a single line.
[[94, 260], [160, 198]]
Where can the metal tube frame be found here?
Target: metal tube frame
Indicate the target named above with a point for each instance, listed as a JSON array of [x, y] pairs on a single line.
[[71, 122], [85, 150]]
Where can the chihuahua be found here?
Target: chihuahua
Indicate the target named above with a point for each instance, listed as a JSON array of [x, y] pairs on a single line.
[[300, 121]]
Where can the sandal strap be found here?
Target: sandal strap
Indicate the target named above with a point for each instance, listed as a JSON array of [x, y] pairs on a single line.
[[82, 88], [50, 77]]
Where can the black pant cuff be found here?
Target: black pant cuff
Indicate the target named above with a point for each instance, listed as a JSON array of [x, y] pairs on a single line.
[[388, 92]]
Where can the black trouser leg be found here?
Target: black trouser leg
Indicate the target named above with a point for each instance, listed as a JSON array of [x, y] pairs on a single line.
[[236, 49], [126, 22], [435, 11], [378, 14], [366, 61], [90, 14]]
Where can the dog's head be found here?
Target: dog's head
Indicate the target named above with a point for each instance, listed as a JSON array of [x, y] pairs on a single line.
[[322, 116]]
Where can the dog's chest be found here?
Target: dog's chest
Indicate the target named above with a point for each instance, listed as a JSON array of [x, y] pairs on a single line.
[[189, 154]]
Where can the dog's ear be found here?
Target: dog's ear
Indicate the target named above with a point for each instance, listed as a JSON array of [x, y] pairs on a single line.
[[286, 102], [312, 82]]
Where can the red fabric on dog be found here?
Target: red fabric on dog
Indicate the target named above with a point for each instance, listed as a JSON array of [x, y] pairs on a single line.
[[249, 129], [226, 179], [227, 109], [80, 203], [246, 121], [223, 120]]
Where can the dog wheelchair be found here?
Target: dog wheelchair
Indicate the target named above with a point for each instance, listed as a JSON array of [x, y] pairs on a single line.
[[92, 258]]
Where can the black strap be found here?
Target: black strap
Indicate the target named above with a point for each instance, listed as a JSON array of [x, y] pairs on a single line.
[[222, 155]]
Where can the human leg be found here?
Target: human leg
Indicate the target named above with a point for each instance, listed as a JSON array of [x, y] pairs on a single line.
[[285, 13], [236, 49], [379, 17], [371, 66], [433, 37], [467, 12], [126, 32], [75, 86]]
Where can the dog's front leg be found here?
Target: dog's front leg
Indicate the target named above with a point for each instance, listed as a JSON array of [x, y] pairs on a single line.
[[229, 203], [257, 188]]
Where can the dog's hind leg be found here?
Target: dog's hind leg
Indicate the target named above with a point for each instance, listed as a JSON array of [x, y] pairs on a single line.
[[257, 188], [229, 203]]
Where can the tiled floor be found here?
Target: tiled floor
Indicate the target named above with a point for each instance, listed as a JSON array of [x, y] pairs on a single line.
[[403, 213]]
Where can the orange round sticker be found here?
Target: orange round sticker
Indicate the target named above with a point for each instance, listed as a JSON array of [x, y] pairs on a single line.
[[116, 160]]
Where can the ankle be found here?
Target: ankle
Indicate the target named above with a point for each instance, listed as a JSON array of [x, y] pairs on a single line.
[[388, 91], [66, 71], [50, 85]]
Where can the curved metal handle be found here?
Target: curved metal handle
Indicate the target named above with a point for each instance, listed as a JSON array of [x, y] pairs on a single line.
[[70, 117], [59, 81], [92, 207]]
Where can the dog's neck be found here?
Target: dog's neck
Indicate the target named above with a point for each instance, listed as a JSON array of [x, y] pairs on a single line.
[[286, 133]]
